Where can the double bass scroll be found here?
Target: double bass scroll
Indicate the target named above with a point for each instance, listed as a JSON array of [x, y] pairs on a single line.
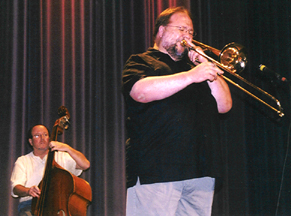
[[62, 193]]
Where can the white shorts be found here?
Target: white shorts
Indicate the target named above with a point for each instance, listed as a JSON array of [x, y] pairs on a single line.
[[188, 197]]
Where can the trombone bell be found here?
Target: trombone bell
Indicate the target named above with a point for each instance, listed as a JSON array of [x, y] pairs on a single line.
[[233, 56]]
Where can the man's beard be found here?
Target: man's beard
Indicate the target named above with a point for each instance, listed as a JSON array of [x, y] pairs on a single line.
[[173, 52]]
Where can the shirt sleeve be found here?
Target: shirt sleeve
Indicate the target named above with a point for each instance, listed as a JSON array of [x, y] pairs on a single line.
[[134, 70], [67, 162], [18, 176]]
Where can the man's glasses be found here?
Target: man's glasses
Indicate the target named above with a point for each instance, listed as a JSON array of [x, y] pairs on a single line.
[[184, 29], [37, 136]]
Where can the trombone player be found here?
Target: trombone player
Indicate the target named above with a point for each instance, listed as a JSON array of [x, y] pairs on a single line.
[[173, 98]]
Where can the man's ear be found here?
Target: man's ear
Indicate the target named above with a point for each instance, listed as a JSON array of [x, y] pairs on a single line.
[[161, 31], [30, 141]]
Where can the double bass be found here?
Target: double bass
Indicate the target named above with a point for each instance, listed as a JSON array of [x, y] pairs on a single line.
[[62, 193]]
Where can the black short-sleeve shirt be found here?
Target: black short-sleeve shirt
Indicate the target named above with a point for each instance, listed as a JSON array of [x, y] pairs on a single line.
[[173, 139]]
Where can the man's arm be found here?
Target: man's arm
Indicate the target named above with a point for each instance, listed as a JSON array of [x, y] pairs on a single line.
[[81, 160], [221, 93], [160, 87], [22, 191]]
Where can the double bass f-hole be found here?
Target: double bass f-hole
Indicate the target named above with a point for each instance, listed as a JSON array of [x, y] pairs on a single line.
[[61, 212]]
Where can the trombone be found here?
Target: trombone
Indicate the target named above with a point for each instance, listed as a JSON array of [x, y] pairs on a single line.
[[232, 59]]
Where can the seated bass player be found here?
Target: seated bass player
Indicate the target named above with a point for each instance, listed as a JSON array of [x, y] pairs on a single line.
[[29, 169]]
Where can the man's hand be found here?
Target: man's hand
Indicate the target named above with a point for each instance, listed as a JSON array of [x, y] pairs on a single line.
[[34, 191], [55, 145]]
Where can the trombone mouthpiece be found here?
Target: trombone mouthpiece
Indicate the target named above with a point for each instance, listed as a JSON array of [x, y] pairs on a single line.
[[184, 43]]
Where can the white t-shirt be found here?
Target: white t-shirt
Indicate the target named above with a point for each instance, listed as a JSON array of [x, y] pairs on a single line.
[[29, 170]]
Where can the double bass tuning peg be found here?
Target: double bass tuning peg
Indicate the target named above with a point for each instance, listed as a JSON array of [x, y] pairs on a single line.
[[65, 116], [63, 111]]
